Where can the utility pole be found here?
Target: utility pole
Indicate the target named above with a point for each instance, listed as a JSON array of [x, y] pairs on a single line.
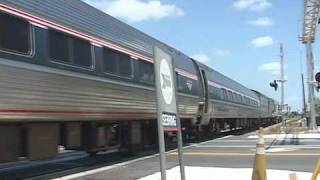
[[304, 107], [282, 84], [310, 68]]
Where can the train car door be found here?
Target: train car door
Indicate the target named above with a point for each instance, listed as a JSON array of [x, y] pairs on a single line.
[[204, 99], [205, 90]]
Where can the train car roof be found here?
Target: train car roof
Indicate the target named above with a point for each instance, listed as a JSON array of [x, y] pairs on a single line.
[[221, 79], [262, 95], [259, 93]]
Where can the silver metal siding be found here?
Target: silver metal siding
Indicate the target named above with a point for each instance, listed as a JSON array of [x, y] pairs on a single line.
[[35, 88]]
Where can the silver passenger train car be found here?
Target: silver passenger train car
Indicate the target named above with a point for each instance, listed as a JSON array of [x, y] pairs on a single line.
[[72, 75]]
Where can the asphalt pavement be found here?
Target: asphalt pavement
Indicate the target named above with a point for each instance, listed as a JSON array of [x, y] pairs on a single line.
[[285, 153]]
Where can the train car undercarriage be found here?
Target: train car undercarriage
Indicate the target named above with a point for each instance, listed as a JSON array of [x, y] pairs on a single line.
[[43, 140]]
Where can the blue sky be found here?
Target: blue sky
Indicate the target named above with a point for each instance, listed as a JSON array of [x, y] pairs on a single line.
[[239, 38]]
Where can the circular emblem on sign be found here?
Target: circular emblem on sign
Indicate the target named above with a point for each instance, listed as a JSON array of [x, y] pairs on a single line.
[[166, 81]]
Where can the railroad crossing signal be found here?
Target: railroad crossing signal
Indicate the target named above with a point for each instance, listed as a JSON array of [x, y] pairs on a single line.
[[274, 84], [317, 77]]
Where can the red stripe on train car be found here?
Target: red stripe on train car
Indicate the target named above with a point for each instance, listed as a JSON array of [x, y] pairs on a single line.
[[186, 74], [172, 129], [31, 111], [69, 112]]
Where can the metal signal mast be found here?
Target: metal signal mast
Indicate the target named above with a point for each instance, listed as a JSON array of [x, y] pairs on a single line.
[[310, 23], [282, 81]]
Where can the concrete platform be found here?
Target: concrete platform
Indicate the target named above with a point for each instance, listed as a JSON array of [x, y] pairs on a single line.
[[208, 173], [287, 153]]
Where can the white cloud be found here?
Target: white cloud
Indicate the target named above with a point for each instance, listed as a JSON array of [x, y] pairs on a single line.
[[263, 21], [214, 54], [136, 10], [262, 41], [221, 52], [273, 68], [201, 57], [252, 5]]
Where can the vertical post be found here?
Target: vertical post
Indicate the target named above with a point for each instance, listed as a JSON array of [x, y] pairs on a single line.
[[282, 84], [180, 153], [179, 138], [312, 120], [304, 108], [162, 149]]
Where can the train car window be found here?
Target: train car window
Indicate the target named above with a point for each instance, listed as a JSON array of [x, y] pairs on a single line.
[[125, 66], [117, 63], [215, 93], [67, 49], [211, 92], [235, 98], [110, 61], [59, 46], [246, 101], [146, 72], [224, 92], [14, 34], [187, 85], [181, 83], [219, 93], [230, 98], [241, 99], [82, 53], [177, 80]]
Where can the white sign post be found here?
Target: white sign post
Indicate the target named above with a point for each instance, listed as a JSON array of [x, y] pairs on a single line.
[[168, 118]]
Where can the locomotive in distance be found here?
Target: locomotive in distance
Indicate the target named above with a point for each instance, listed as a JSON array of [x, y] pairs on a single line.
[[74, 76]]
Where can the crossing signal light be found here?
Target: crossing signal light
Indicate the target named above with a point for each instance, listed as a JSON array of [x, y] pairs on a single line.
[[274, 84], [317, 77]]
